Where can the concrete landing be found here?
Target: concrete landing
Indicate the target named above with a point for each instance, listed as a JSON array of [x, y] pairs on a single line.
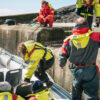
[[64, 24]]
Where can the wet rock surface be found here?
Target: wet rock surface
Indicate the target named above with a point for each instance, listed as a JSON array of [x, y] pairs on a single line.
[[11, 36], [64, 14]]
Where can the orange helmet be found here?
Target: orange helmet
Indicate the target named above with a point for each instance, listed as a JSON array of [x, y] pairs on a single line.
[[43, 1]]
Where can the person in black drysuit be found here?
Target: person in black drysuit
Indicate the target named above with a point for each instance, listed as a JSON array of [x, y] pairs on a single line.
[[81, 49]]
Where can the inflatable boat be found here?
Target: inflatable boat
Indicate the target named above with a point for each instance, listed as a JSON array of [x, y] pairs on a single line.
[[13, 68]]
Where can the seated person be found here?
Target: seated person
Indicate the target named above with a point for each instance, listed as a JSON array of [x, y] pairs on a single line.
[[5, 92], [46, 14], [40, 92]]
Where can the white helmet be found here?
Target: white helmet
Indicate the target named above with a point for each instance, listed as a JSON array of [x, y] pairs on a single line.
[[5, 86]]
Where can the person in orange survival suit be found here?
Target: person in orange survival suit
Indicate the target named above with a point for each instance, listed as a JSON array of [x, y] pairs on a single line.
[[46, 14]]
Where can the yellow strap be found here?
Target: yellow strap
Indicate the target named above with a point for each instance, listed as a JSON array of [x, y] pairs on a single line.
[[87, 14]]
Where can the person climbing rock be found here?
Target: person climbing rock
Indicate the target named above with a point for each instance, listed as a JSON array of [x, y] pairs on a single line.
[[85, 9], [40, 58], [40, 92], [46, 14], [5, 92], [81, 48]]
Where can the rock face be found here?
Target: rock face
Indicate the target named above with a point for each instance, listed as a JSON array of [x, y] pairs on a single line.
[[11, 36], [66, 14], [24, 18]]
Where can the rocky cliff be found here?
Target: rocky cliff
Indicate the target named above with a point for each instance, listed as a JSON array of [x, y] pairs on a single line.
[[64, 14]]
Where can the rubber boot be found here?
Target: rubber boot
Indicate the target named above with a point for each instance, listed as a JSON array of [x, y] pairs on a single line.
[[49, 84]]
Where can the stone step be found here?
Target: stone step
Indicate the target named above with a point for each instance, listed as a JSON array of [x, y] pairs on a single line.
[[67, 27], [67, 33]]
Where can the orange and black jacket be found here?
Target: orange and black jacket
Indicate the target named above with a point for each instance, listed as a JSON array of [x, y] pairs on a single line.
[[83, 56]]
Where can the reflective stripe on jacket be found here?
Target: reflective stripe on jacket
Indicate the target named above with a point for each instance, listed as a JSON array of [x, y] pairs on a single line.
[[9, 96], [35, 57], [43, 95]]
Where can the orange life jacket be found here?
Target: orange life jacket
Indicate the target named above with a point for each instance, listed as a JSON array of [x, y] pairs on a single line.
[[46, 11]]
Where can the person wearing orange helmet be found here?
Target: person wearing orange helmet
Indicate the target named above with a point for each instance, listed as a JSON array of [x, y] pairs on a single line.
[[46, 14]]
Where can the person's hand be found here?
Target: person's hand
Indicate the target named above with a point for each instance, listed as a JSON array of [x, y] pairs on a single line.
[[26, 83]]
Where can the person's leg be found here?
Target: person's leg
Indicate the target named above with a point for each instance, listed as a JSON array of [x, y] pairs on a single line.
[[41, 75], [77, 88], [40, 72], [48, 64], [91, 87], [44, 78], [76, 91], [90, 21], [50, 20]]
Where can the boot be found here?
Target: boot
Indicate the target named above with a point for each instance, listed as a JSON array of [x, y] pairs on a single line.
[[49, 84], [45, 25]]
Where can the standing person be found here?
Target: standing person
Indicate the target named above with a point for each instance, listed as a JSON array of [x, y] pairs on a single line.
[[85, 9], [40, 58], [46, 14], [98, 13], [81, 49]]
